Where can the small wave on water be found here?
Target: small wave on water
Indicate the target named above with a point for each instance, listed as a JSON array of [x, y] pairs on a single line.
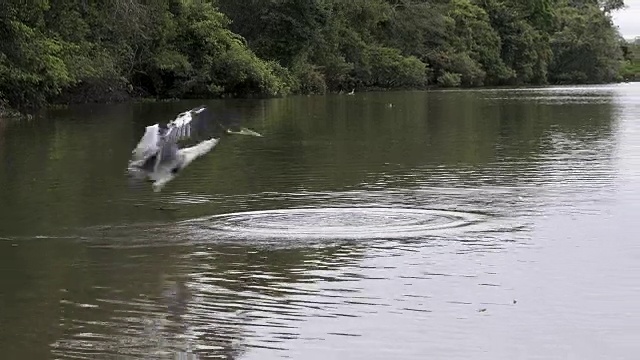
[[332, 223]]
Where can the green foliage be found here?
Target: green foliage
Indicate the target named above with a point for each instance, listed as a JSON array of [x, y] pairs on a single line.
[[448, 79], [585, 48], [63, 50], [631, 71], [389, 68], [308, 79], [477, 46], [206, 59], [524, 43], [631, 56], [31, 63]]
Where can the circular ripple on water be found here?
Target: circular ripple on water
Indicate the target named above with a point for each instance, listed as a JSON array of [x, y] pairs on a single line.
[[334, 223]]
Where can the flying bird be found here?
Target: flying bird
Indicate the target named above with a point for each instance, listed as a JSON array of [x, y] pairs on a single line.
[[158, 157]]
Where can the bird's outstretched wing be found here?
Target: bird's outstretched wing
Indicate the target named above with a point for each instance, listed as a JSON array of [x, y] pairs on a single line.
[[195, 124], [159, 144]]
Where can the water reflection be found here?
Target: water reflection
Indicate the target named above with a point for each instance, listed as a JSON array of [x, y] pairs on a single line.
[[212, 309], [351, 229]]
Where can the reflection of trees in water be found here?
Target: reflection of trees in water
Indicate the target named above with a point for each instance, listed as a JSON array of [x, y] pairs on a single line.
[[32, 282], [201, 301], [340, 141], [68, 173], [236, 288], [60, 172], [192, 331], [68, 170], [3, 126]]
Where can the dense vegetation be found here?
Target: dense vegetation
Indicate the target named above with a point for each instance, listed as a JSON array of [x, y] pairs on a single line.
[[90, 50], [631, 55]]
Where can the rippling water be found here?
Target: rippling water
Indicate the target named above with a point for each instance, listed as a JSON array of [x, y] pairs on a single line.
[[486, 224]]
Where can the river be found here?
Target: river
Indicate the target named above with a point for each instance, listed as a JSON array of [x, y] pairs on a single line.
[[462, 224]]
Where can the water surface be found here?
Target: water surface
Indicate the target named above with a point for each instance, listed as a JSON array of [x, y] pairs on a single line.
[[488, 224]]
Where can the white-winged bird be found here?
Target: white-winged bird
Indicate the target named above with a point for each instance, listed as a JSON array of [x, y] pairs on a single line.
[[157, 156]]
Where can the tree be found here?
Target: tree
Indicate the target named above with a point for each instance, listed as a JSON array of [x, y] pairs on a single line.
[[585, 47], [90, 50]]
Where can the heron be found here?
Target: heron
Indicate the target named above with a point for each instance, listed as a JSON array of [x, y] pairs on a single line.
[[157, 156]]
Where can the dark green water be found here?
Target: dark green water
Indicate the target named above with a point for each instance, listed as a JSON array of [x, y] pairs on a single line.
[[492, 224]]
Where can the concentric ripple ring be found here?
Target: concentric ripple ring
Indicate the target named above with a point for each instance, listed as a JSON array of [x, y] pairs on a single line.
[[333, 223]]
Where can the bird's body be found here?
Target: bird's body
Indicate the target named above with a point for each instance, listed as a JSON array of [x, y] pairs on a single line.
[[157, 156]]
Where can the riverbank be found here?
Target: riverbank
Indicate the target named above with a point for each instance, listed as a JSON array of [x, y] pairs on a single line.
[[631, 56], [631, 71], [138, 96], [7, 113]]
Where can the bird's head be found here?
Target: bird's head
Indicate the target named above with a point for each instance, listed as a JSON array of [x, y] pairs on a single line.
[[158, 185]]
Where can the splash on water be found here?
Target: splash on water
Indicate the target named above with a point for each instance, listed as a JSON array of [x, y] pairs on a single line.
[[333, 223]]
